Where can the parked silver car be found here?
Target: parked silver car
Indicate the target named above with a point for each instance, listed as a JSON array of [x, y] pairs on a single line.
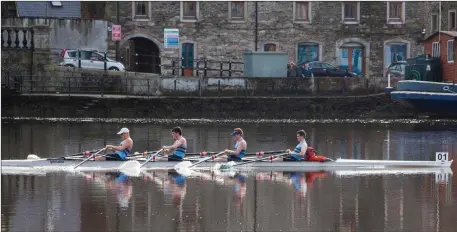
[[89, 59]]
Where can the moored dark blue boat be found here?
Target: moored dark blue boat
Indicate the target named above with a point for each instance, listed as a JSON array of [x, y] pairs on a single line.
[[436, 98]]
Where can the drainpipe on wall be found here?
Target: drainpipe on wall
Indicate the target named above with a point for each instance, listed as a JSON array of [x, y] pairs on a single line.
[[256, 33], [117, 22]]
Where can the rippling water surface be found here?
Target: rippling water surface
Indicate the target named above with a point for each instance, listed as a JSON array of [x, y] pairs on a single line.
[[230, 201]]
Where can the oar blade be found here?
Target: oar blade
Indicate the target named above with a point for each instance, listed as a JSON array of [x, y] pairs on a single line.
[[130, 165], [33, 157], [186, 172], [132, 172], [183, 165]]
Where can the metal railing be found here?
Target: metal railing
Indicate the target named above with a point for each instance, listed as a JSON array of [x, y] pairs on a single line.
[[157, 63], [181, 66]]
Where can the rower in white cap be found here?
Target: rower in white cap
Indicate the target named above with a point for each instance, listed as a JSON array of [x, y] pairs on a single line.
[[122, 151]]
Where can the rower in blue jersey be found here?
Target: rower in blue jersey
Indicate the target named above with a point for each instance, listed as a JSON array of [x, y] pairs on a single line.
[[121, 151], [299, 152], [240, 148], [179, 146]]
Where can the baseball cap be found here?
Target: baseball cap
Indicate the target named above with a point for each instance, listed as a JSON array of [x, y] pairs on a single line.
[[237, 131], [123, 131]]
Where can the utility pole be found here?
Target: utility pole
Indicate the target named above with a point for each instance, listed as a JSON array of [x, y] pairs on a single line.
[[117, 22], [256, 33]]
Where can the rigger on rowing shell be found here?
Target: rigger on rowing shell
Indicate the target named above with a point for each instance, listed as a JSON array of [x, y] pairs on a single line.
[[302, 152]]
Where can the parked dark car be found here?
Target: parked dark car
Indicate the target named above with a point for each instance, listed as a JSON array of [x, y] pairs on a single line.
[[324, 69]]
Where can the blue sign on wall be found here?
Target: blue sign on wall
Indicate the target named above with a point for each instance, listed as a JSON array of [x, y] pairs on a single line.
[[171, 38]]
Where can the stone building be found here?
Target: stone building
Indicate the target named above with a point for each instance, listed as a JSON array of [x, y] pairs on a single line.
[[364, 37]]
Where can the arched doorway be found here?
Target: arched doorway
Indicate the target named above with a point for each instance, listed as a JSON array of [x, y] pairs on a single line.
[[351, 56], [141, 55]]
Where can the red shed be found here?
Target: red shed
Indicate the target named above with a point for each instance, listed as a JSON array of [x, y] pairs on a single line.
[[443, 44]]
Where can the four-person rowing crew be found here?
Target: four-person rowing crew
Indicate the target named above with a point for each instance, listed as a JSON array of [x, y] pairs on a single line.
[[177, 151]]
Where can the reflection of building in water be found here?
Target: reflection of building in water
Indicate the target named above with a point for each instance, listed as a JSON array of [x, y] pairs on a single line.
[[413, 145]]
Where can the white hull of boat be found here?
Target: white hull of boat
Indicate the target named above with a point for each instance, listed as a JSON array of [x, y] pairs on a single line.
[[31, 171], [339, 164]]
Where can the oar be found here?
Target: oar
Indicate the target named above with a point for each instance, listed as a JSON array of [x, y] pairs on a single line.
[[150, 158], [233, 164], [34, 157], [187, 164], [93, 155], [135, 165]]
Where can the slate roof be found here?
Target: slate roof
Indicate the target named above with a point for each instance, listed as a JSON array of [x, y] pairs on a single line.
[[42, 9]]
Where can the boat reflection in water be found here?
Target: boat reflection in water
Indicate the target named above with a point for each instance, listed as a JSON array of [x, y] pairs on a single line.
[[229, 201], [300, 181]]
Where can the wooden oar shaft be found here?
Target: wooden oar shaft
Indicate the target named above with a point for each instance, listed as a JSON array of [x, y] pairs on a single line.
[[264, 158]]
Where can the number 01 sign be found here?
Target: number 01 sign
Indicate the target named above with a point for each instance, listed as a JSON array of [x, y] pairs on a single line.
[[442, 156]]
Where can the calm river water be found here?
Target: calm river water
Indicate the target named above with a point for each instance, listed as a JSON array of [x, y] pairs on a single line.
[[245, 201]]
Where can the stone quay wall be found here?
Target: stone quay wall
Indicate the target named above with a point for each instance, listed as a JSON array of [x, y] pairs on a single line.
[[85, 81], [62, 106]]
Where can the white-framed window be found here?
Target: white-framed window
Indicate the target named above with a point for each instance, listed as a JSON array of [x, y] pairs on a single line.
[[189, 11], [434, 22], [450, 51], [436, 49], [452, 20], [237, 11], [140, 10], [350, 12], [396, 12], [302, 12]]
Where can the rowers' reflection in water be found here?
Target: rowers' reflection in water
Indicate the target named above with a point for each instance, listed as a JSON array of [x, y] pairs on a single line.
[[117, 183], [300, 181], [238, 181]]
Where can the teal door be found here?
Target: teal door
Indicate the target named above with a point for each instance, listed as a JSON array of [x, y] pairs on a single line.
[[187, 54], [357, 61]]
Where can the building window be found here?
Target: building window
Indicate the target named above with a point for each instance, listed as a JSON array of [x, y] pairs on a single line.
[[269, 47], [141, 10], [395, 52], [189, 11], [302, 11], [452, 20], [434, 22], [351, 12], [450, 51], [396, 12], [436, 49], [8, 9], [307, 52], [237, 11]]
